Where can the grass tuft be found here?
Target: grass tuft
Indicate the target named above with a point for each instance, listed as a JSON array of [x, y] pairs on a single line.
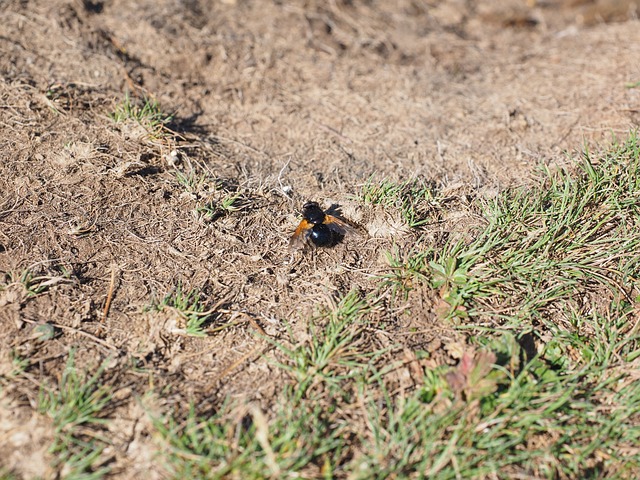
[[417, 200], [189, 310], [494, 420], [568, 244], [32, 284], [76, 408], [146, 112]]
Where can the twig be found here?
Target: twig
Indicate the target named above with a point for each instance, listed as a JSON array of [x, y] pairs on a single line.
[[254, 323], [81, 332], [107, 304]]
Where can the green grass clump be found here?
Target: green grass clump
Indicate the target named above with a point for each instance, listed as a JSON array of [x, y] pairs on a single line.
[[214, 198], [76, 407], [146, 112], [497, 414], [569, 243], [332, 356], [305, 433], [227, 204], [194, 182], [417, 200], [243, 443], [31, 283], [188, 308], [406, 270]]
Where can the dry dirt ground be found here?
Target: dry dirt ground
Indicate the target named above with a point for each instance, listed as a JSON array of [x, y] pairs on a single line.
[[275, 102]]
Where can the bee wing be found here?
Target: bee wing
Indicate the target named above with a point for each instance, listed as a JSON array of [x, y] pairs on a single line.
[[340, 226], [300, 237]]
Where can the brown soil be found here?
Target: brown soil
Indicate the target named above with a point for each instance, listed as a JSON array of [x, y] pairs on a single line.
[[279, 102]]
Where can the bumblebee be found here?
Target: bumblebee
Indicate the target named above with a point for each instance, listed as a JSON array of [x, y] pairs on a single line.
[[319, 228]]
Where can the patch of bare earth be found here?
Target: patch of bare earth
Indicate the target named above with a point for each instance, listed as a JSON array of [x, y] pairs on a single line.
[[268, 98]]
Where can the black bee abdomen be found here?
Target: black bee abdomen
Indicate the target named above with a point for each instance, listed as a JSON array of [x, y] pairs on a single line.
[[321, 235]]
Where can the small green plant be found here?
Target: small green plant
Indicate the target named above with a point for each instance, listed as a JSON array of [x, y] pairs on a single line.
[[33, 284], [76, 406], [214, 199], [189, 309], [146, 112], [451, 277], [384, 192], [192, 181], [228, 203], [332, 348], [216, 209], [406, 271], [19, 364], [416, 199]]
